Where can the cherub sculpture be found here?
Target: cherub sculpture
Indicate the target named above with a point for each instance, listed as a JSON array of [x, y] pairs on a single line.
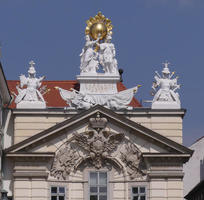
[[30, 94], [165, 97]]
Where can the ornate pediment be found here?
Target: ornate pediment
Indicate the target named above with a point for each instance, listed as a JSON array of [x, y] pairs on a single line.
[[96, 126], [97, 146]]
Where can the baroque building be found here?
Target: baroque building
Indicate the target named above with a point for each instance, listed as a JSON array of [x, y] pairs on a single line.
[[91, 138]]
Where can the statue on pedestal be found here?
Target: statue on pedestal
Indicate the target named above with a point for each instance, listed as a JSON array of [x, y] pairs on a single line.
[[98, 88], [166, 96], [107, 56], [89, 62], [30, 97], [98, 48]]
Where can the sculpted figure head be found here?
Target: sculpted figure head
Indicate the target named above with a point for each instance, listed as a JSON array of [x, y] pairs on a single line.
[[31, 71], [87, 38], [166, 71], [109, 38]]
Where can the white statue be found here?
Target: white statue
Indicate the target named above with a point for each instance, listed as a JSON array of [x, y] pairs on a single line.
[[107, 56], [89, 57], [165, 97], [30, 97], [116, 101]]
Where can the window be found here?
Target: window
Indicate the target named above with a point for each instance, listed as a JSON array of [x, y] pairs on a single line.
[[139, 193], [98, 185], [57, 193]]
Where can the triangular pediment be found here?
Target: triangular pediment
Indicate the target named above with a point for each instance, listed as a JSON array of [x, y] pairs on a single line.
[[140, 135]]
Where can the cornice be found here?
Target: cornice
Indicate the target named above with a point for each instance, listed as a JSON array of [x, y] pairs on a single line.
[[134, 112]]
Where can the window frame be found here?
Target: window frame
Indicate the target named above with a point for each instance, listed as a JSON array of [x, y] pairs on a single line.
[[139, 194], [138, 184], [57, 194], [98, 185], [86, 181]]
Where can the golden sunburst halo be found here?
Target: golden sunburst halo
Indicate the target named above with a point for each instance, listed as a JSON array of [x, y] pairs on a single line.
[[98, 25]]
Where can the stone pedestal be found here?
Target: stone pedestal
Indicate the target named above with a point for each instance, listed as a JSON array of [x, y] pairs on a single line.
[[31, 105], [165, 105], [98, 83]]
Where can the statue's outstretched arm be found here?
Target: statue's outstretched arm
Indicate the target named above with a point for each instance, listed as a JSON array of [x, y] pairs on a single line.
[[176, 87], [41, 78], [23, 80], [157, 80], [40, 96]]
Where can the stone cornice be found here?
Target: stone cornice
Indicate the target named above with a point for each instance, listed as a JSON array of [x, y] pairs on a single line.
[[166, 174], [39, 155], [30, 174], [135, 112], [165, 155]]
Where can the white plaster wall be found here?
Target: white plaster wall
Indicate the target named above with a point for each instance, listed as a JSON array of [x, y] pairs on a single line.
[[27, 126], [194, 168], [168, 126], [31, 188], [166, 189]]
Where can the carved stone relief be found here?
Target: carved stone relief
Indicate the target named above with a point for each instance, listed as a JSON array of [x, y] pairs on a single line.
[[96, 147], [64, 161], [132, 158]]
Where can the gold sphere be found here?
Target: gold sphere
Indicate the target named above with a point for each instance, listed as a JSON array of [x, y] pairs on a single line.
[[96, 29]]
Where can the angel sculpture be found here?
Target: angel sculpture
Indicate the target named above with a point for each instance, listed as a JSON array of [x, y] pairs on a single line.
[[31, 93], [166, 95]]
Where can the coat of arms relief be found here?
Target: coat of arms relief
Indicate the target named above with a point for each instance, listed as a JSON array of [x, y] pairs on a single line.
[[99, 147]]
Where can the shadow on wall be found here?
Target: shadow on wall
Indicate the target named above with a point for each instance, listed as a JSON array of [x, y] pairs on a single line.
[[202, 169]]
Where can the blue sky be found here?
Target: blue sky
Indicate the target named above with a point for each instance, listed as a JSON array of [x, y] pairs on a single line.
[[145, 34]]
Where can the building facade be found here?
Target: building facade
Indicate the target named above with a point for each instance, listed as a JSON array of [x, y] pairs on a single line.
[[51, 151], [90, 138]]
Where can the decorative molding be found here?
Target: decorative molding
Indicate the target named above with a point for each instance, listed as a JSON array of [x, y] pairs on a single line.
[[30, 174], [96, 143], [95, 148], [64, 161]]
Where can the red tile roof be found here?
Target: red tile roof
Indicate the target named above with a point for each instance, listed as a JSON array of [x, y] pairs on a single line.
[[53, 98]]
